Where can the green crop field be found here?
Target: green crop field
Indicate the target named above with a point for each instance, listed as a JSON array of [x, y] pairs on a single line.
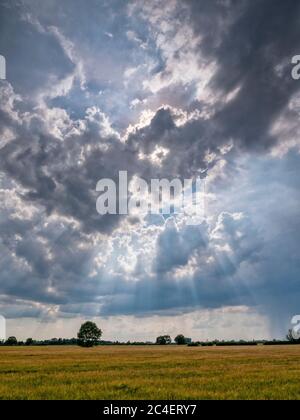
[[150, 372]]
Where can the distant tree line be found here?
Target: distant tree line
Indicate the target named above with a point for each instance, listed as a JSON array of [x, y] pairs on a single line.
[[12, 341], [89, 335]]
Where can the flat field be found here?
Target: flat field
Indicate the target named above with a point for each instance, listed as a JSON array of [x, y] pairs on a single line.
[[150, 372]]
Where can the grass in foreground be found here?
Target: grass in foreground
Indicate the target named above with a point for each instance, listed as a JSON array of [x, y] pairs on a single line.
[[165, 373]]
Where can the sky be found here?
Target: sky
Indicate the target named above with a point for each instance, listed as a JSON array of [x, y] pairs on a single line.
[[160, 89]]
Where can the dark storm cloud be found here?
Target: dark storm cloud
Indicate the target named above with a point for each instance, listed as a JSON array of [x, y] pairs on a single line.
[[187, 145], [184, 243], [253, 42], [62, 175]]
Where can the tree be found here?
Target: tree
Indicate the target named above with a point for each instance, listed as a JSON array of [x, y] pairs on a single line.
[[89, 334], [163, 340], [180, 339], [11, 341], [29, 342]]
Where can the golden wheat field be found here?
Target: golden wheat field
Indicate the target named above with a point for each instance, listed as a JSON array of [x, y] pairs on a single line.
[[150, 372]]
